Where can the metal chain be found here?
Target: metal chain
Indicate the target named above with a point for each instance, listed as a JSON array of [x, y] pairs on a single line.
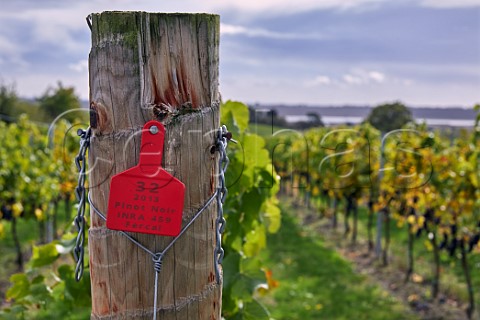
[[223, 136], [80, 192]]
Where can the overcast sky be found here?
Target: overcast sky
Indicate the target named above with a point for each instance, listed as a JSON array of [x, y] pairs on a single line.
[[316, 52]]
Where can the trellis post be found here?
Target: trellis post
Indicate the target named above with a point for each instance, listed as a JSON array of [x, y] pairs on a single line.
[[154, 66]]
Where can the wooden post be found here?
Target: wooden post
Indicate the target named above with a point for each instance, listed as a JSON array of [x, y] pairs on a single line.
[[146, 66]]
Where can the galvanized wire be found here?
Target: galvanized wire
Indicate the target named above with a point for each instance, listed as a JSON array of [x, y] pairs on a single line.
[[157, 258], [170, 245], [223, 136]]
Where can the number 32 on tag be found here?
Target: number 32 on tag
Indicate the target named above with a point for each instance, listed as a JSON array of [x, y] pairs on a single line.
[[146, 198]]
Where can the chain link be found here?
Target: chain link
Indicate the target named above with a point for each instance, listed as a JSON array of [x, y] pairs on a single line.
[[80, 193], [223, 136]]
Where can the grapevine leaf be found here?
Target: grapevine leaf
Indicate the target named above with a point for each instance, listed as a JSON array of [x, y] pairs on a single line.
[[73, 291], [235, 115], [43, 255], [231, 267], [269, 179], [38, 293], [234, 236], [65, 246], [255, 241], [255, 151], [20, 286], [253, 310], [251, 204], [38, 279], [15, 312], [252, 267], [272, 215], [243, 287]]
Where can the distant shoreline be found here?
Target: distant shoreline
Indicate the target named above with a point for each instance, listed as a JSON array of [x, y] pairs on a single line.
[[447, 113]]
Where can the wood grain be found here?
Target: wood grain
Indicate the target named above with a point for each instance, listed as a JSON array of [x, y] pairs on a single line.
[[146, 66]]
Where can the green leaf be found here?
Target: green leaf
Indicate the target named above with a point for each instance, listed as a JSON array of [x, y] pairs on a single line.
[[235, 114], [65, 246], [65, 272], [272, 215], [243, 287], [20, 287], [255, 241], [231, 268], [75, 291], [253, 310], [38, 279], [255, 153], [39, 294], [251, 204], [252, 267], [43, 255], [15, 312], [251, 181], [233, 237], [268, 179]]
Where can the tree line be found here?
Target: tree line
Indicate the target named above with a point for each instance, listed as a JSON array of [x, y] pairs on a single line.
[[55, 101]]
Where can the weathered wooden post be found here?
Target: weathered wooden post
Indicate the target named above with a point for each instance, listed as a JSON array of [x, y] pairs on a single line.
[[154, 66]]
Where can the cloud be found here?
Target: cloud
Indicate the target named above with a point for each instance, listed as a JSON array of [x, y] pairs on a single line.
[[7, 46], [259, 42], [281, 7], [252, 8], [321, 80], [10, 54], [355, 77], [80, 66], [359, 76], [56, 27], [351, 79], [446, 4], [229, 29], [376, 76]]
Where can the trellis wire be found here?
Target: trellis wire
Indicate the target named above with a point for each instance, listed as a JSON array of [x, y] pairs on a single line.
[[222, 138]]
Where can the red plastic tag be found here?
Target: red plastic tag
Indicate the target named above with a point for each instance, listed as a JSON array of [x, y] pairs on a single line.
[[146, 198]]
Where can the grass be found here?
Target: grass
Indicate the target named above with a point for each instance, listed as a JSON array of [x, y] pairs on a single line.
[[452, 279], [28, 233], [317, 283], [263, 130]]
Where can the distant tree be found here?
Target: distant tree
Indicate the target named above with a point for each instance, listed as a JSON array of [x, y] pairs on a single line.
[[476, 108], [266, 116], [390, 116], [315, 119], [8, 100], [32, 109], [56, 101]]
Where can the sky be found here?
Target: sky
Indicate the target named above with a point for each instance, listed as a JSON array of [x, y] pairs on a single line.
[[312, 52]]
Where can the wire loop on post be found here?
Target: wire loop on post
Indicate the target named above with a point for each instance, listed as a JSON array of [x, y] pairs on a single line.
[[89, 21], [223, 136]]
